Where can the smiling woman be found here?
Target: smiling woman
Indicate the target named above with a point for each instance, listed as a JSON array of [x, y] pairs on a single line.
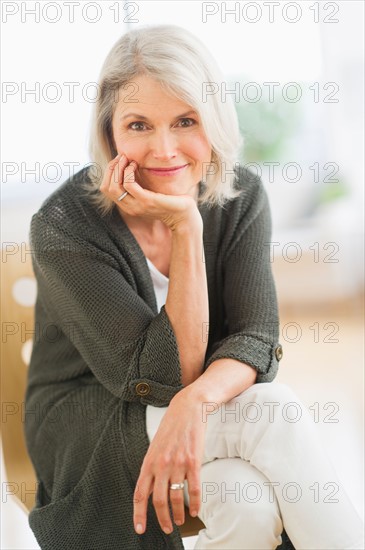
[[169, 143], [154, 266], [160, 79]]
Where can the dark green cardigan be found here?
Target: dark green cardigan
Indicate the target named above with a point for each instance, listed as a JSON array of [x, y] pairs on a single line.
[[98, 334]]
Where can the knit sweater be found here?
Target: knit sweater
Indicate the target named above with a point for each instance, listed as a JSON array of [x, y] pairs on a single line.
[[99, 335]]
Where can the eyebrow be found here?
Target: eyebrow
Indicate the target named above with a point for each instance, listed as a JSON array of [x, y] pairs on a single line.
[[141, 117]]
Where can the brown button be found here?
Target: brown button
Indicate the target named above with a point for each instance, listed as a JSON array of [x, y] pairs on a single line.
[[278, 352], [143, 388]]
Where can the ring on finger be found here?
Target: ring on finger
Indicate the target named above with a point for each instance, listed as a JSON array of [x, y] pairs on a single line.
[[177, 486], [123, 195]]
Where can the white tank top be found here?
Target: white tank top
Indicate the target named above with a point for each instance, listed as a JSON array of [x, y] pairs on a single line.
[[160, 284]]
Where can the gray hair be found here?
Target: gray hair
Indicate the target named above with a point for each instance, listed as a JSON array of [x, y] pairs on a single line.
[[184, 67]]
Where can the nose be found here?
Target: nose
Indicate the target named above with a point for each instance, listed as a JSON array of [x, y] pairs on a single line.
[[164, 145]]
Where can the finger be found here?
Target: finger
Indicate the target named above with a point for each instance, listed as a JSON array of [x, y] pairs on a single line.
[[193, 477], [177, 499], [116, 180], [140, 500], [128, 180], [114, 161], [160, 502], [133, 187], [108, 174], [129, 173]]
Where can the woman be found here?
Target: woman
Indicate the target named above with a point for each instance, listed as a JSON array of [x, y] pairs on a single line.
[[153, 267]]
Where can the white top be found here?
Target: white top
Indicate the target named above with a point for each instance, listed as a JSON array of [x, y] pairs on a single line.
[[160, 284]]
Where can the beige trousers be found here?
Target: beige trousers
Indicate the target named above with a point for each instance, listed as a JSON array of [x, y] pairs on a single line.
[[264, 469]]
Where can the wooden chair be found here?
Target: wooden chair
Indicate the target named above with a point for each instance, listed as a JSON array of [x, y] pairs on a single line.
[[17, 315]]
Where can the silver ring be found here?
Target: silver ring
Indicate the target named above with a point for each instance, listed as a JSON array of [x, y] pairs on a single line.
[[175, 486], [123, 195]]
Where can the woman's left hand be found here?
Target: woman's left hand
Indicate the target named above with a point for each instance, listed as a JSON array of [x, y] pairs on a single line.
[[175, 454]]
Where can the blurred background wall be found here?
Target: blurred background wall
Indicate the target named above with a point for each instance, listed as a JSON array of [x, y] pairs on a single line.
[[295, 72]]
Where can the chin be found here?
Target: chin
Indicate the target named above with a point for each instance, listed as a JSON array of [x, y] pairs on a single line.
[[169, 189], [168, 186]]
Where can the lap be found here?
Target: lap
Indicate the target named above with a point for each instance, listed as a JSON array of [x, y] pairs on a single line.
[[231, 486], [235, 482], [259, 402]]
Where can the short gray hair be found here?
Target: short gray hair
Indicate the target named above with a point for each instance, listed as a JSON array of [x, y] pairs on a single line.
[[184, 67]]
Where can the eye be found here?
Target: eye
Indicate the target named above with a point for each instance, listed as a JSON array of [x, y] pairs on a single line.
[[136, 126], [187, 122]]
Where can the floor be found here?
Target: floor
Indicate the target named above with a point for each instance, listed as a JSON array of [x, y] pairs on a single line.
[[324, 363], [325, 367]]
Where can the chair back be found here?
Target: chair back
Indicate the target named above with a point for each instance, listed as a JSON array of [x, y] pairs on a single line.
[[17, 315]]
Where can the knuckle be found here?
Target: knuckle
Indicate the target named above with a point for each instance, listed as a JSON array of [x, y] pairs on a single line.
[[147, 465], [158, 502], [194, 490], [138, 497], [180, 461], [147, 203], [164, 460], [192, 462], [176, 498]]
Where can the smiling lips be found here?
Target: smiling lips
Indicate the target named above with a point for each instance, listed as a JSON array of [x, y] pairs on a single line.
[[166, 171]]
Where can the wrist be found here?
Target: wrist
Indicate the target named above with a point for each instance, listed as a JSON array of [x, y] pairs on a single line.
[[189, 400], [190, 223], [224, 379], [187, 228], [194, 393]]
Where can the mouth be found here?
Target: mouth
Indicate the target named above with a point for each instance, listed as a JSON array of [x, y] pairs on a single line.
[[169, 171]]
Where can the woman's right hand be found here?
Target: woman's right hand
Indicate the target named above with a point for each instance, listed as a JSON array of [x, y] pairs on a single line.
[[175, 211], [175, 454]]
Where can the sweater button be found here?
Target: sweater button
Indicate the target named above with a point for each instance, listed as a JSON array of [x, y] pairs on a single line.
[[278, 352], [143, 388]]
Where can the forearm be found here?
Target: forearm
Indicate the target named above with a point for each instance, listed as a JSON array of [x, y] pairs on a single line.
[[221, 381], [187, 299]]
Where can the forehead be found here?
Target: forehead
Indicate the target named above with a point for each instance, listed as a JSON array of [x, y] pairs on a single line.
[[146, 96]]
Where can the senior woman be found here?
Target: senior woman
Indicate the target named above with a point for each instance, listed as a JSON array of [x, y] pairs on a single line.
[[153, 269]]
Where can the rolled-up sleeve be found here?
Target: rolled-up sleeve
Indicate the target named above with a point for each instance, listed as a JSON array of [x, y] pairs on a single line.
[[130, 350], [250, 300]]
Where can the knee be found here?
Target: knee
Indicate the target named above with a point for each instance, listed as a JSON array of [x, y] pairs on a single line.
[[250, 507], [259, 510]]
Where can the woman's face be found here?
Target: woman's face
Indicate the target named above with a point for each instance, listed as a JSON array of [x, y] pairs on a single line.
[[160, 132]]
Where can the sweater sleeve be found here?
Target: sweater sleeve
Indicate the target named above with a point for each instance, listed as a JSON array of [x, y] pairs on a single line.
[[249, 292], [129, 349]]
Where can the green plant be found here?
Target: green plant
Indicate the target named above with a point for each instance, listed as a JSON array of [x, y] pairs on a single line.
[[266, 126]]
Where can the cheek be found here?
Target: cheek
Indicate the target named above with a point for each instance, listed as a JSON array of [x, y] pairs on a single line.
[[133, 149], [199, 149]]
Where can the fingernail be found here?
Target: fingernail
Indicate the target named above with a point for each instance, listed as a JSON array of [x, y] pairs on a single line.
[[194, 513], [139, 528], [167, 530], [178, 522]]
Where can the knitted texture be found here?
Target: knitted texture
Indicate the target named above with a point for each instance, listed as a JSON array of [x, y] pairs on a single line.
[[99, 334]]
